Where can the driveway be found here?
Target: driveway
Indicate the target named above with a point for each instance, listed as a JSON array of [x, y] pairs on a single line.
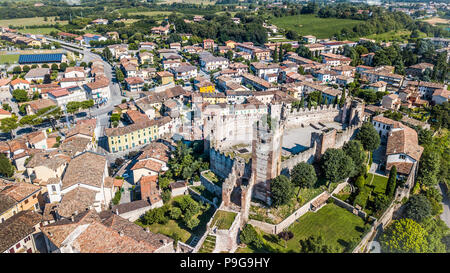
[[378, 159], [445, 216]]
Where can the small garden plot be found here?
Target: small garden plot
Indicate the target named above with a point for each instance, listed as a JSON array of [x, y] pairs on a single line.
[[344, 194], [205, 193], [223, 219], [212, 177], [208, 245], [181, 217]]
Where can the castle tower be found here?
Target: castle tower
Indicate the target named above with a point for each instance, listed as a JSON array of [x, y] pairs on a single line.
[[266, 152]]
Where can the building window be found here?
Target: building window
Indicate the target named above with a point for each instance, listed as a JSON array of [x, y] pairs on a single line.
[[53, 188], [26, 201], [402, 157], [18, 245]]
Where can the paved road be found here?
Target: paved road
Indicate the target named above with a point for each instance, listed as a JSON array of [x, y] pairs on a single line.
[[445, 216]]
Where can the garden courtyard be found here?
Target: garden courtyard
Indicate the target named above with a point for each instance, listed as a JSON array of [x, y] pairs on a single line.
[[339, 228]]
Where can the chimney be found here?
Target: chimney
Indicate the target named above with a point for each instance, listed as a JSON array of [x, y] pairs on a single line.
[[164, 241], [117, 211], [120, 233], [72, 218], [147, 229]]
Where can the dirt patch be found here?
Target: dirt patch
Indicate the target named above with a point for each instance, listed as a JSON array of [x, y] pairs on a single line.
[[436, 20]]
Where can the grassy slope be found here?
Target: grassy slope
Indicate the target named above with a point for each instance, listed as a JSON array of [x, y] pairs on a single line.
[[337, 225], [308, 24]]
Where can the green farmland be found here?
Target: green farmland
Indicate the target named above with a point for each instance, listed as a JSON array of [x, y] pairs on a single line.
[[307, 24]]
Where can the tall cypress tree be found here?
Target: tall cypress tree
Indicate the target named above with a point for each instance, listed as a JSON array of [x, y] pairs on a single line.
[[392, 181], [342, 101], [280, 54]]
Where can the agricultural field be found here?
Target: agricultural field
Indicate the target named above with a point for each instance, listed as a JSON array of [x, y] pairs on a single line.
[[151, 13], [30, 21], [9, 58], [204, 2], [308, 24]]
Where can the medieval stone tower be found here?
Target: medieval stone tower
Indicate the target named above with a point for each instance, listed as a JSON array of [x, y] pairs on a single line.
[[266, 151]]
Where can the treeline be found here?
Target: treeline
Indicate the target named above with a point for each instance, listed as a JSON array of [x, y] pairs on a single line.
[[222, 28]]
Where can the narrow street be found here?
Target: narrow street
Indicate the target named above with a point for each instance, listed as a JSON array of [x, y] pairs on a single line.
[[445, 216]]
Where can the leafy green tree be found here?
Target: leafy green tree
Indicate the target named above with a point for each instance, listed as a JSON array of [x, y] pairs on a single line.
[[249, 236], [303, 175], [30, 120], [175, 213], [17, 70], [107, 54], [360, 182], [355, 150], [316, 244], [368, 136], [192, 223], [392, 180], [119, 75], [418, 208], [8, 125], [54, 67], [429, 168], [336, 165], [282, 190], [20, 95], [6, 168], [405, 236]]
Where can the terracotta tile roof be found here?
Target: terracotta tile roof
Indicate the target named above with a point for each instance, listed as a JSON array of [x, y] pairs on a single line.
[[20, 191], [147, 164], [156, 150], [86, 127], [4, 82], [136, 232], [4, 112], [17, 227], [6, 202], [57, 232], [402, 167], [76, 200], [35, 137], [40, 104], [404, 140], [73, 145], [17, 144], [149, 188], [380, 118], [134, 80], [131, 206], [177, 185], [87, 168], [98, 238], [136, 116], [52, 160], [19, 80]]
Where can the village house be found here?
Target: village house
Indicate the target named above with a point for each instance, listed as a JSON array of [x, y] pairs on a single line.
[[17, 233], [18, 196]]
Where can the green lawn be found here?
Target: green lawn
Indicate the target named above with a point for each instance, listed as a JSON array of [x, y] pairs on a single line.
[[9, 58], [172, 226], [338, 227], [308, 24], [379, 183], [223, 219]]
